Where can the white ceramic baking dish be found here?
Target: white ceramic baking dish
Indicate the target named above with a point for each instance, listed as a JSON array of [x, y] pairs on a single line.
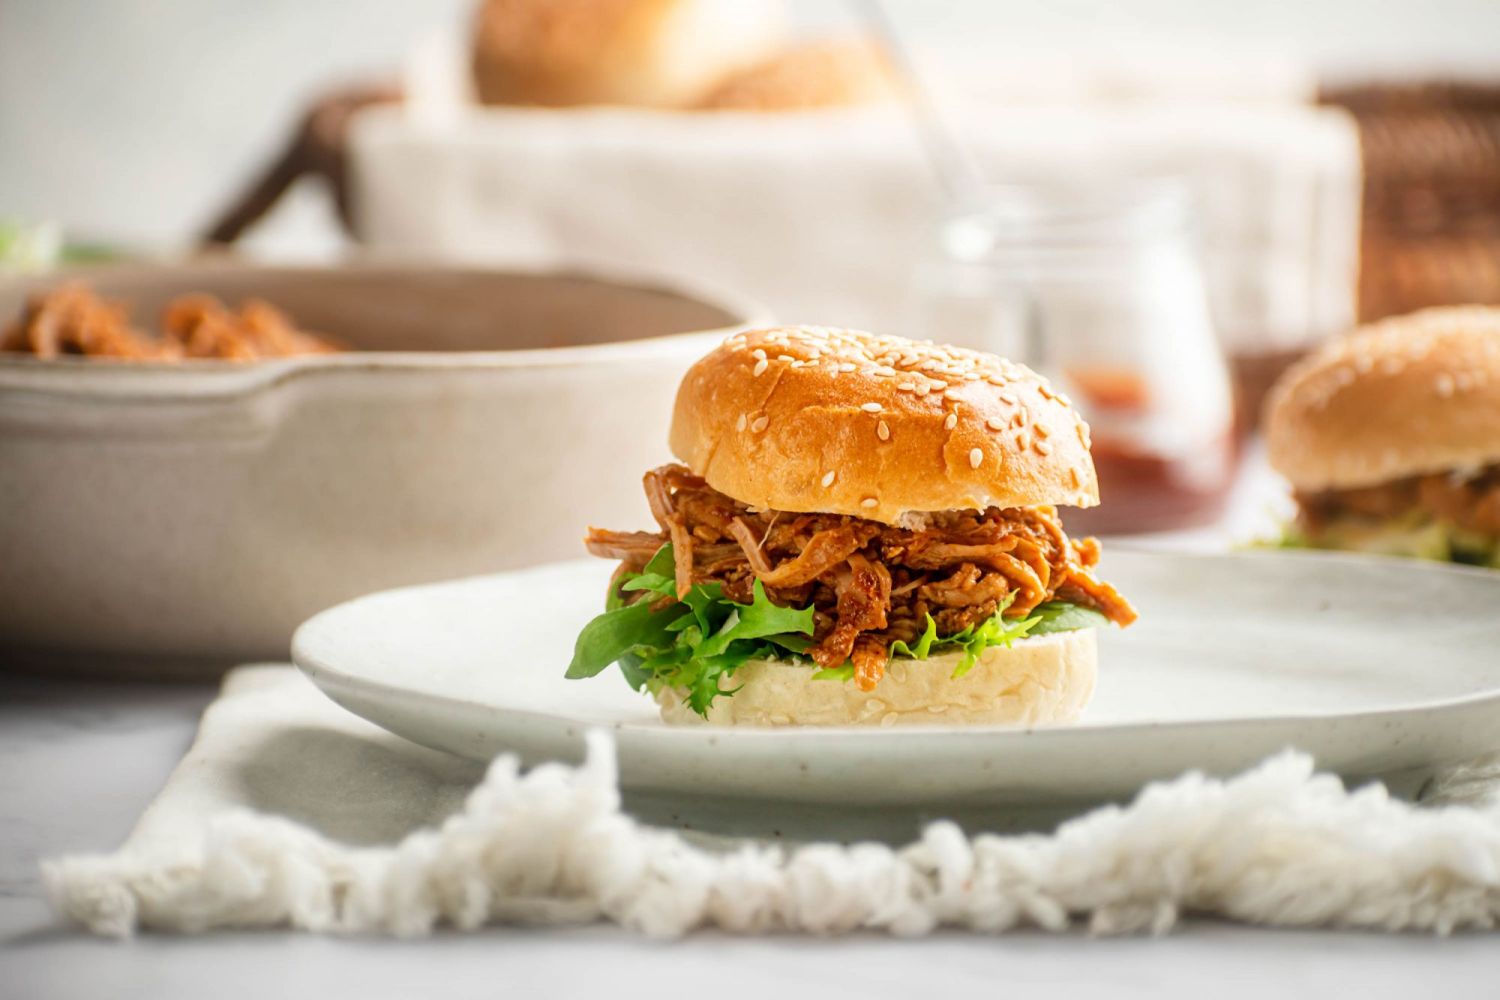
[[160, 518]]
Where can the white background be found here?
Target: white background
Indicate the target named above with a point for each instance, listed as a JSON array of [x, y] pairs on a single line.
[[134, 120]]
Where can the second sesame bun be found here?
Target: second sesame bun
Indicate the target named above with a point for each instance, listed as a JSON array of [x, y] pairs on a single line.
[[1407, 396], [878, 427], [662, 53], [1034, 682], [822, 74]]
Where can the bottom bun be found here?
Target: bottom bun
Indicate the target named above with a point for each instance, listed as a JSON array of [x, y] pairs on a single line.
[[1033, 682]]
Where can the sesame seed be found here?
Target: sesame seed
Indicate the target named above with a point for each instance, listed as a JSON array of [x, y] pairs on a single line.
[[995, 424], [1043, 448], [923, 389], [739, 424], [846, 367], [785, 357], [868, 502], [1008, 398], [760, 367], [1041, 430], [828, 479], [759, 354], [760, 424], [905, 387], [951, 421], [938, 385], [971, 376], [871, 407], [882, 431], [975, 457], [1023, 441]]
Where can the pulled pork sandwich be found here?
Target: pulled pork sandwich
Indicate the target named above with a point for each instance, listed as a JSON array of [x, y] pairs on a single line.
[[863, 531], [1391, 438]]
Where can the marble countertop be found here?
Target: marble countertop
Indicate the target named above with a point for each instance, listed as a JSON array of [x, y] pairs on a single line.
[[80, 760]]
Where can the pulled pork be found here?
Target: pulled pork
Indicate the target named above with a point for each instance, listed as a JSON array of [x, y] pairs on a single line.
[[72, 320], [1470, 503], [870, 584]]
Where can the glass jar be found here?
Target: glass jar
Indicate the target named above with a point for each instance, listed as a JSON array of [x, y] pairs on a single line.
[[1101, 290]]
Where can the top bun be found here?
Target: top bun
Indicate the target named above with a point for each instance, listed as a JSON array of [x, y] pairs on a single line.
[[838, 421], [640, 52], [1407, 396], [823, 74]]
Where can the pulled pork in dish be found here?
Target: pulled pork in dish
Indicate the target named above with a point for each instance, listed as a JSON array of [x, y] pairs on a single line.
[[73, 320], [870, 584]]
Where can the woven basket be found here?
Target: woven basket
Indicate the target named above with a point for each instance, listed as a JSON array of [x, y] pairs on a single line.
[[1431, 204]]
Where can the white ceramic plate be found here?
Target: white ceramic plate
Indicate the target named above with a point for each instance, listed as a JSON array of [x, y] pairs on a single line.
[[1373, 666]]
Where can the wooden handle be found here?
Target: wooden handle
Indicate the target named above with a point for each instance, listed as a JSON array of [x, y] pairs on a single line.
[[319, 147]]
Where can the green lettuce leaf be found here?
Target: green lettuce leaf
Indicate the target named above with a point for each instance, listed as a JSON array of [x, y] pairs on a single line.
[[995, 631], [615, 633], [695, 642], [924, 644], [1060, 616], [1414, 535], [690, 643]]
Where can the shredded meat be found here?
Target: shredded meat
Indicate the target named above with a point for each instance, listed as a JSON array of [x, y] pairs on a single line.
[[966, 587], [72, 320], [1470, 503], [634, 548], [869, 584]]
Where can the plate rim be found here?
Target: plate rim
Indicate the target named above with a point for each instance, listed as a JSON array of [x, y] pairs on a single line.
[[318, 670]]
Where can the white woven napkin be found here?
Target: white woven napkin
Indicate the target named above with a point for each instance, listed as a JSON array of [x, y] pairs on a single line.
[[833, 218], [288, 811]]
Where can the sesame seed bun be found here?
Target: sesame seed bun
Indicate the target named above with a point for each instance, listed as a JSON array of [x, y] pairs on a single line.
[[1035, 682], [1407, 396], [822, 74], [664, 53], [879, 427]]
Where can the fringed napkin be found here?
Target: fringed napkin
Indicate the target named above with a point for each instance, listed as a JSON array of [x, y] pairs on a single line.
[[290, 812]]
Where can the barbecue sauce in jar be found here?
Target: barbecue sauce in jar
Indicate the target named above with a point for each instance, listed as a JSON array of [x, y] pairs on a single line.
[[1101, 290], [1149, 481]]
